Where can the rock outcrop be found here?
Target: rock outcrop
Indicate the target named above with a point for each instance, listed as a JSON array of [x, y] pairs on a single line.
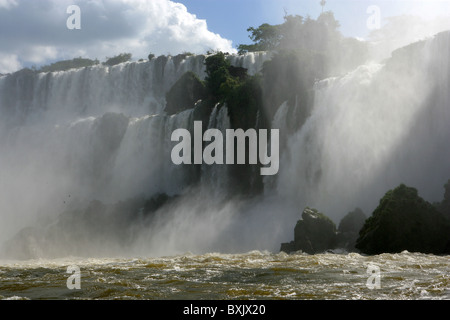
[[184, 94], [348, 230], [315, 233], [444, 206], [404, 221]]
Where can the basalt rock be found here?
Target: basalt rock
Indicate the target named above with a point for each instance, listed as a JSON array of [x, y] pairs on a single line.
[[184, 94], [404, 221], [314, 233], [348, 230]]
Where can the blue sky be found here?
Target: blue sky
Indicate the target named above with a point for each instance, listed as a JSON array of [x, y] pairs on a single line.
[[34, 32], [231, 18]]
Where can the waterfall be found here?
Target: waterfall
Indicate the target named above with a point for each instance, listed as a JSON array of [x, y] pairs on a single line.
[[372, 129], [92, 133], [101, 133], [216, 177], [134, 89], [252, 61]]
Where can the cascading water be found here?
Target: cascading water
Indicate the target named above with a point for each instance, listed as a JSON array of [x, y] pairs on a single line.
[[93, 133], [217, 176], [101, 133], [371, 130]]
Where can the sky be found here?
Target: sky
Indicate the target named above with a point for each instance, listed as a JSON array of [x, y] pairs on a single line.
[[35, 32]]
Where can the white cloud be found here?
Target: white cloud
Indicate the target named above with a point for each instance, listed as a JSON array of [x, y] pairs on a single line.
[[402, 30], [37, 32], [7, 4], [39, 54], [9, 63]]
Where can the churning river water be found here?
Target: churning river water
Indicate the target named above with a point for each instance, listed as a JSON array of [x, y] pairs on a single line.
[[251, 276]]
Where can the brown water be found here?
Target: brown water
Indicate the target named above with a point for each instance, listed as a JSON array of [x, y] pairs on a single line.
[[215, 276]]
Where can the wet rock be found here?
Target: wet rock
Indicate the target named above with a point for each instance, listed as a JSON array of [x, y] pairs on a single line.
[[348, 230], [404, 221], [184, 94], [315, 233]]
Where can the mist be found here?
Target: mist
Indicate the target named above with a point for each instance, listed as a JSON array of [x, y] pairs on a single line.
[[85, 152]]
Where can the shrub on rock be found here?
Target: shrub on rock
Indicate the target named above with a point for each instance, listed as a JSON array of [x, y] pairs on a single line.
[[404, 221]]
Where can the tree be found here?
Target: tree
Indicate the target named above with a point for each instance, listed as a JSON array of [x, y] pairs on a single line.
[[295, 33], [217, 73], [266, 37], [121, 58]]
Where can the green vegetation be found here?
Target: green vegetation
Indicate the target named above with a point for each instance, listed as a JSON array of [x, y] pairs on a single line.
[[319, 37], [231, 85], [404, 221], [78, 63], [69, 64], [314, 233], [224, 85], [304, 50], [266, 38], [218, 79], [121, 58]]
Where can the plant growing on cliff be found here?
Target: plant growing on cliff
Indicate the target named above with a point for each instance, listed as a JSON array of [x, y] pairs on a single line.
[[218, 78], [65, 65], [404, 221], [121, 58]]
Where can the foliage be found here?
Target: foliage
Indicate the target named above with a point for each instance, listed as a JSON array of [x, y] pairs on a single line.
[[180, 57], [69, 64], [404, 221], [242, 95], [121, 58], [315, 233], [218, 77], [266, 38], [295, 33], [232, 85], [315, 37]]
